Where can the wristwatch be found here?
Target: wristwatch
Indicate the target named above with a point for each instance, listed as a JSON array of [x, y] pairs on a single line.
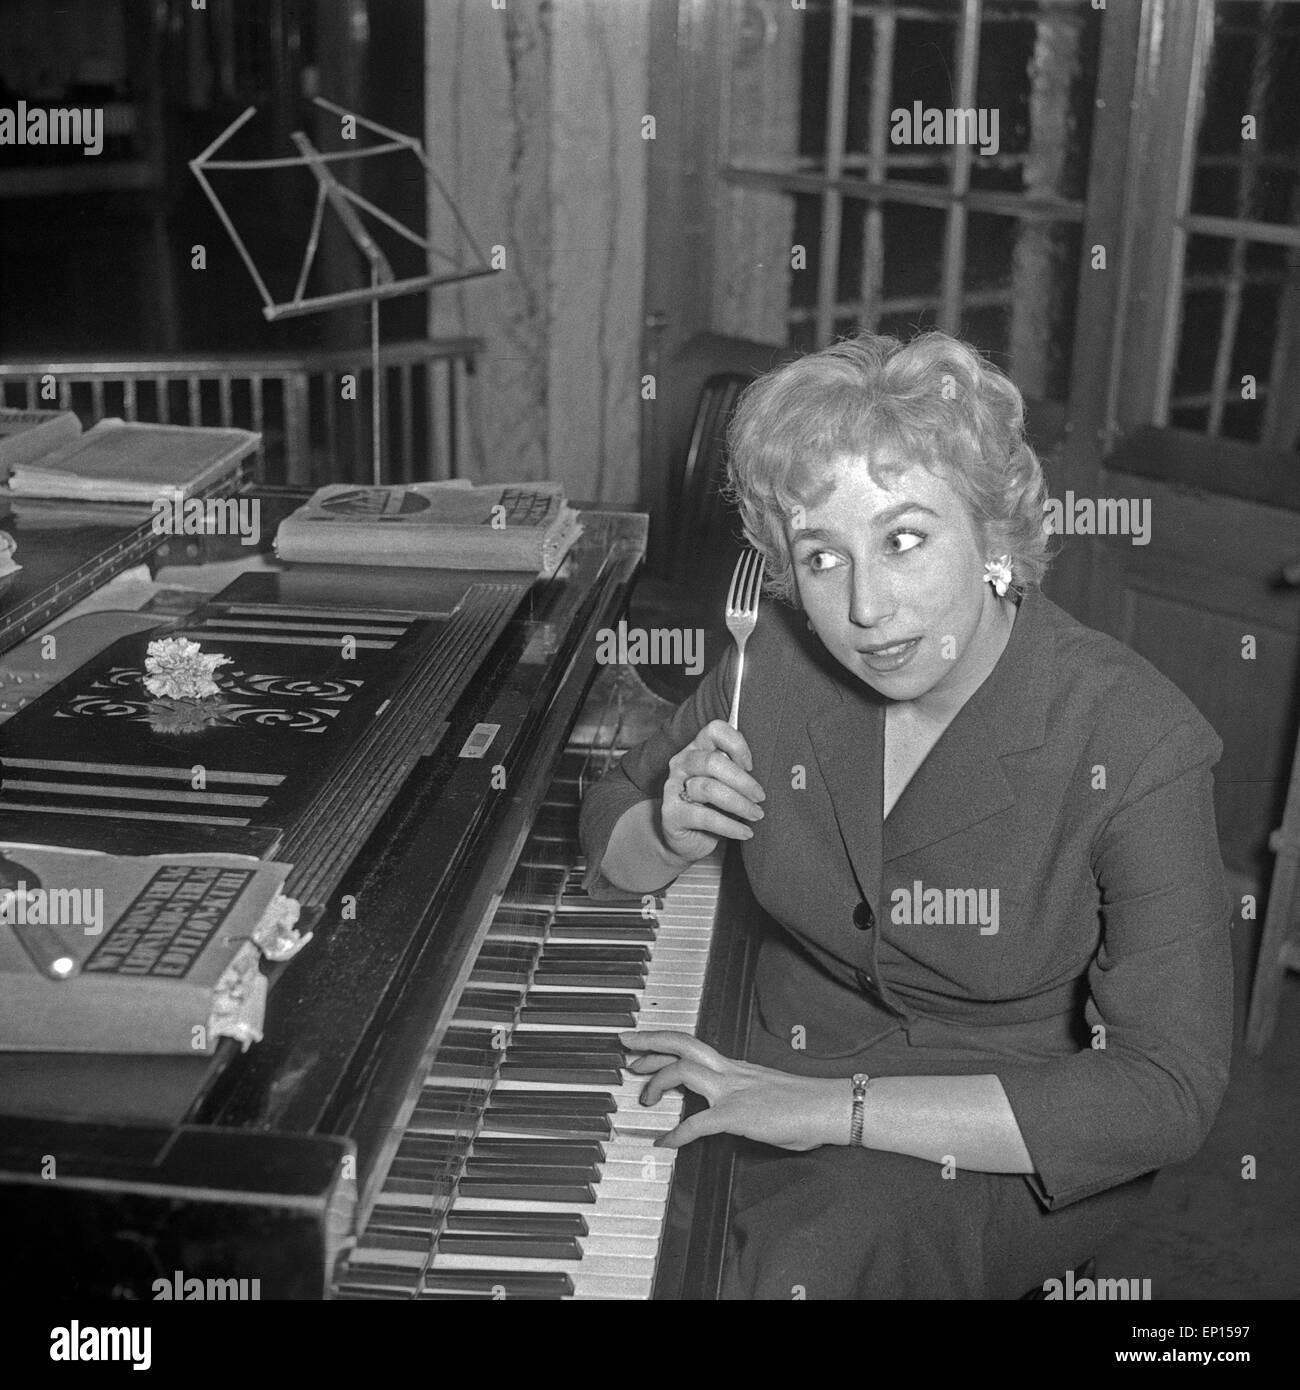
[[860, 1080]]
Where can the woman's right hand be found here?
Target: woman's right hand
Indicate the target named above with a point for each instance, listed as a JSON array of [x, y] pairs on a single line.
[[724, 796]]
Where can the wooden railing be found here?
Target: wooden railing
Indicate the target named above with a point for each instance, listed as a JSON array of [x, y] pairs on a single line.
[[315, 427]]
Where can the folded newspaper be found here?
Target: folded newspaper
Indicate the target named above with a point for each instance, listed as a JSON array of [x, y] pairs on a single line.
[[448, 525], [151, 954]]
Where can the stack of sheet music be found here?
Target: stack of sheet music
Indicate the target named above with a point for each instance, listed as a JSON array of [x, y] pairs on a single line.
[[448, 525], [120, 462]]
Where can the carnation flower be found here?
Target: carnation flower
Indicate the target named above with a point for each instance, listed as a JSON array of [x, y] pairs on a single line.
[[179, 670]]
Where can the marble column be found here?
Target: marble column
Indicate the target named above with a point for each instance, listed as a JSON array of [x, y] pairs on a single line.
[[535, 113]]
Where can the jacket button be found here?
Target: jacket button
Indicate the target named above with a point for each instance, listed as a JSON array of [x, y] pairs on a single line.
[[863, 917], [865, 982]]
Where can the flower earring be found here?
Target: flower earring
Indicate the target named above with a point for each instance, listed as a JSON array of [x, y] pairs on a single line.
[[998, 573]]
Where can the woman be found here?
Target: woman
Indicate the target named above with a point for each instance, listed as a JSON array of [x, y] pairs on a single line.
[[985, 831]]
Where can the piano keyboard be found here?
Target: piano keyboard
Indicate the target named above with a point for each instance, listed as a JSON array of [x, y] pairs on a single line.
[[528, 1168]]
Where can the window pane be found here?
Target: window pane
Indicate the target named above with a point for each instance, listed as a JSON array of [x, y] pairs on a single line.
[[922, 70], [1038, 69], [1248, 139], [913, 251], [1238, 338], [1020, 291]]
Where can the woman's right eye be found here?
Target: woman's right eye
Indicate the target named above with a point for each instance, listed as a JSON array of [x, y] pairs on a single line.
[[813, 559]]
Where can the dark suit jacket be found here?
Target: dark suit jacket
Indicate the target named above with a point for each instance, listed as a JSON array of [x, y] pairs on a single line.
[[1076, 782]]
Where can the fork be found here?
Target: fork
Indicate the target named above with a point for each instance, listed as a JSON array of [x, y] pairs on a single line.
[[742, 613]]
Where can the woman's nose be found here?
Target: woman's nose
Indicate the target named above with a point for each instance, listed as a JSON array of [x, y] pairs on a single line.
[[871, 601]]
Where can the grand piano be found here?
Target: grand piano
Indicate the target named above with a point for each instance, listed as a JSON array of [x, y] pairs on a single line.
[[437, 1109]]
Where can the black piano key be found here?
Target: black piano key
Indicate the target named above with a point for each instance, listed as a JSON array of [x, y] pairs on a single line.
[[483, 976], [439, 1189], [554, 1102], [508, 1107], [541, 1152], [584, 929], [567, 1013], [403, 1218], [486, 1006], [627, 955], [558, 1126], [481, 1071], [591, 1001], [461, 1036], [514, 1103], [526, 1246], [615, 978], [471, 1056], [422, 1169], [598, 969], [629, 916], [528, 901], [565, 1040], [430, 1119], [448, 1070], [564, 1073], [488, 1171], [516, 1191], [381, 1238], [433, 1147], [491, 1283], [520, 952], [554, 1223]]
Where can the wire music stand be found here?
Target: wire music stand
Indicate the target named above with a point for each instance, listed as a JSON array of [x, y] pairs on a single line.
[[344, 202]]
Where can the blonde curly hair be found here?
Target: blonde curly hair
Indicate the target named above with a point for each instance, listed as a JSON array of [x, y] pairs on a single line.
[[934, 400]]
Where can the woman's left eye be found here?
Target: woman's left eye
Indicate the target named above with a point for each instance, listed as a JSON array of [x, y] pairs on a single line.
[[913, 539]]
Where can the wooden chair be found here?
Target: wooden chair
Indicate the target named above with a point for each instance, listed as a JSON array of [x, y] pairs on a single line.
[[705, 539]]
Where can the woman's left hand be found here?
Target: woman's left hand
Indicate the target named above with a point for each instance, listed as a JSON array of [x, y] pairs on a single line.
[[772, 1107]]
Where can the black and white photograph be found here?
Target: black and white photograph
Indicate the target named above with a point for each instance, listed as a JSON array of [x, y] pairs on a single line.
[[659, 642]]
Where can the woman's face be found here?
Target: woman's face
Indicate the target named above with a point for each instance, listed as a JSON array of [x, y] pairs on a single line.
[[891, 578]]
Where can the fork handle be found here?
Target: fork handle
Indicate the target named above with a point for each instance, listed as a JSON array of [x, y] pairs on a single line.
[[735, 699]]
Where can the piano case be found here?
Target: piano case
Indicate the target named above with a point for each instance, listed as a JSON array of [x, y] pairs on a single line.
[[357, 718]]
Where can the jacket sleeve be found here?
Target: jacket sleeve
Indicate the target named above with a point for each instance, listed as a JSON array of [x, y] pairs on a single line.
[[642, 771], [1146, 1092]]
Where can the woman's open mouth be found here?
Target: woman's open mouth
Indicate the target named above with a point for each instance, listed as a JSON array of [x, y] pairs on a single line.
[[892, 657]]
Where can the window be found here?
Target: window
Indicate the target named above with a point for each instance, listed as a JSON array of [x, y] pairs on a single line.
[[896, 164], [1235, 371]]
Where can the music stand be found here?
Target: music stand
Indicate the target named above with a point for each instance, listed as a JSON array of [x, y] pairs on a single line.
[[344, 202]]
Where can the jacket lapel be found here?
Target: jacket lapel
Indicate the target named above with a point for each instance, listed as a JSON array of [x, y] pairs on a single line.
[[848, 741], [962, 781]]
